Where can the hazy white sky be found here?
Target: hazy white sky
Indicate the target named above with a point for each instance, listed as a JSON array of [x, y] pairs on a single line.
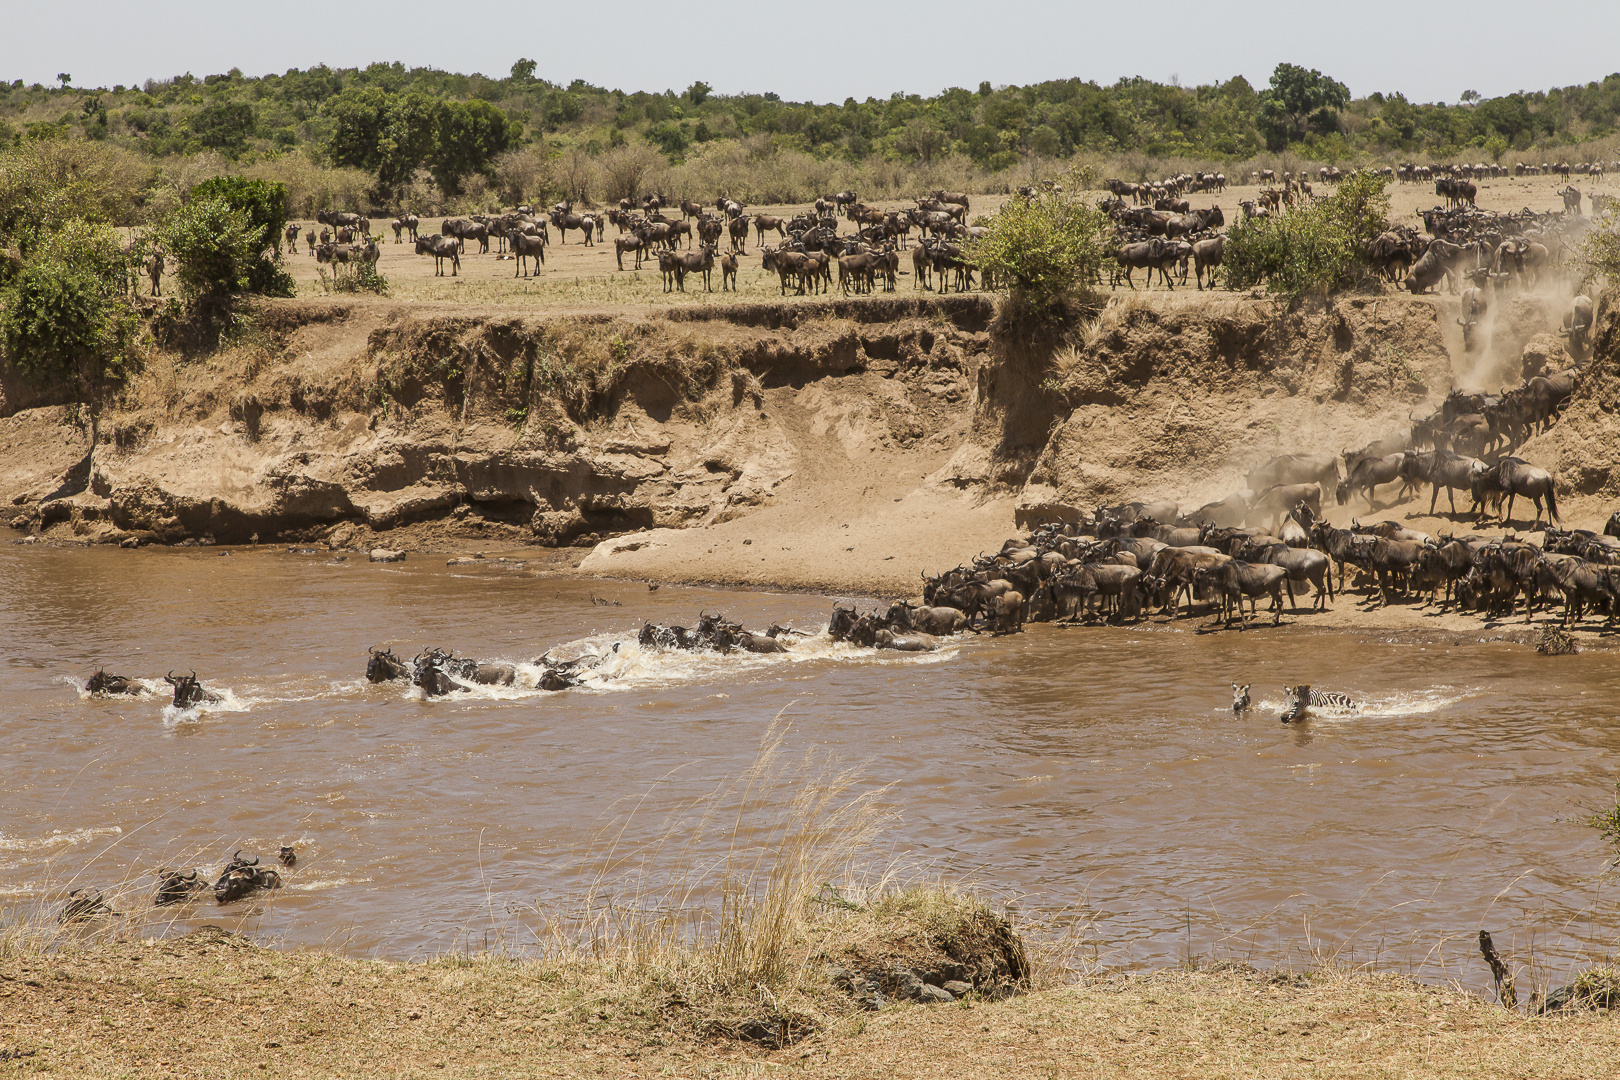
[[827, 50]]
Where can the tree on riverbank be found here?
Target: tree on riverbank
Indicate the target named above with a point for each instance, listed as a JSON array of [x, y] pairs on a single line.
[[1045, 250], [1319, 247]]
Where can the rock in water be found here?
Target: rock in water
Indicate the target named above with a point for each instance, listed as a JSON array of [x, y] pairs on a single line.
[[386, 555]]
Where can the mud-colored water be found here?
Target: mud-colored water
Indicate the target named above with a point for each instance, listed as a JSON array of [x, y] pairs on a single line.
[[1097, 773]]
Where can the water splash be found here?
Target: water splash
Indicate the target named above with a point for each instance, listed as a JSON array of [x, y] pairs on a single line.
[[1373, 707], [228, 703]]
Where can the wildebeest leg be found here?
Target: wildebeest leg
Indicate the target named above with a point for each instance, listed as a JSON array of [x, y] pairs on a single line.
[[1508, 520]]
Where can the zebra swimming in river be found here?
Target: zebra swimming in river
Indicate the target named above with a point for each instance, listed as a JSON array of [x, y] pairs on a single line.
[[1302, 698]]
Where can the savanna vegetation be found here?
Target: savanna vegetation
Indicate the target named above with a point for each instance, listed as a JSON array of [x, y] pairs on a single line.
[[1321, 246], [386, 136]]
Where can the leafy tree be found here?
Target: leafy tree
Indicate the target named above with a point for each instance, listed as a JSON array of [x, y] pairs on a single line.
[[470, 136], [1299, 102], [224, 125], [65, 317], [216, 249], [1046, 251], [523, 71], [698, 92], [923, 138], [1319, 248], [265, 204], [669, 137]]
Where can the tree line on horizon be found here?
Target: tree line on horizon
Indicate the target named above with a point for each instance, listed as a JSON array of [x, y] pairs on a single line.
[[397, 123]]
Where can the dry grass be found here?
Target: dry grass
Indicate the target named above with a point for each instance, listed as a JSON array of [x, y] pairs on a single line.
[[211, 1005]]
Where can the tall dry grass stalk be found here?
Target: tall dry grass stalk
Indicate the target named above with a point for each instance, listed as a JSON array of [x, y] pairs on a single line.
[[800, 844], [35, 926]]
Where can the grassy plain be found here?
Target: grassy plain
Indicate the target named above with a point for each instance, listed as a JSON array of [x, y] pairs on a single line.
[[576, 276]]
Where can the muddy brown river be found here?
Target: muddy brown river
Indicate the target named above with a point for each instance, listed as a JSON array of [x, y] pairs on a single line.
[[1094, 777]]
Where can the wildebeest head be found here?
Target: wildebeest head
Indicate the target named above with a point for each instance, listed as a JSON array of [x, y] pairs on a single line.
[[429, 674], [864, 631], [899, 615], [1240, 699], [287, 855], [174, 887], [188, 691], [240, 881], [385, 666], [840, 622]]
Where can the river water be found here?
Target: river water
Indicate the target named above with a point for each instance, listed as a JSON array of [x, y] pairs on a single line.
[[1094, 777]]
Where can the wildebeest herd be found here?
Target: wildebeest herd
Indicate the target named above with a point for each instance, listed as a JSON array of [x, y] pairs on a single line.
[[862, 243], [239, 879], [1160, 232]]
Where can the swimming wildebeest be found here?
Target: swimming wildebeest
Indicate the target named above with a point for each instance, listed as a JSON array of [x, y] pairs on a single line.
[[888, 639], [175, 887], [242, 878], [188, 691], [105, 685], [936, 621], [385, 666], [1240, 699], [81, 906]]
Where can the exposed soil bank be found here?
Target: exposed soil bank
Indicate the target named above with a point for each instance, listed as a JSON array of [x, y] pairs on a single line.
[[347, 422], [211, 1005], [830, 445]]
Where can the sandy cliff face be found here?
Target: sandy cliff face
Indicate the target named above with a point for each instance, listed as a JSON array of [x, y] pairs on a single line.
[[822, 446], [1177, 402], [353, 420]]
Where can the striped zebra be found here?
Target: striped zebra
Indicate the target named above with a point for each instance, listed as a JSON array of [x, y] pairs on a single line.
[[1240, 699], [1302, 698]]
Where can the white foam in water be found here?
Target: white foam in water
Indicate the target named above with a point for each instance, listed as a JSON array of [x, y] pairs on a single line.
[[148, 687], [1380, 706], [228, 703], [322, 886], [56, 838], [633, 667]]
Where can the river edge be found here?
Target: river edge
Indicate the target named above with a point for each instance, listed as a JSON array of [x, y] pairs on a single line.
[[212, 1004], [1400, 624]]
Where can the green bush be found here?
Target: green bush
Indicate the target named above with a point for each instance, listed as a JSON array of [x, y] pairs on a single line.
[[265, 204], [216, 250], [1318, 248], [1046, 251], [1598, 254], [66, 317], [353, 278]]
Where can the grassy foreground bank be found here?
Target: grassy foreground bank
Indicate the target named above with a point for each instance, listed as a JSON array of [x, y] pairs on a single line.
[[211, 1004]]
